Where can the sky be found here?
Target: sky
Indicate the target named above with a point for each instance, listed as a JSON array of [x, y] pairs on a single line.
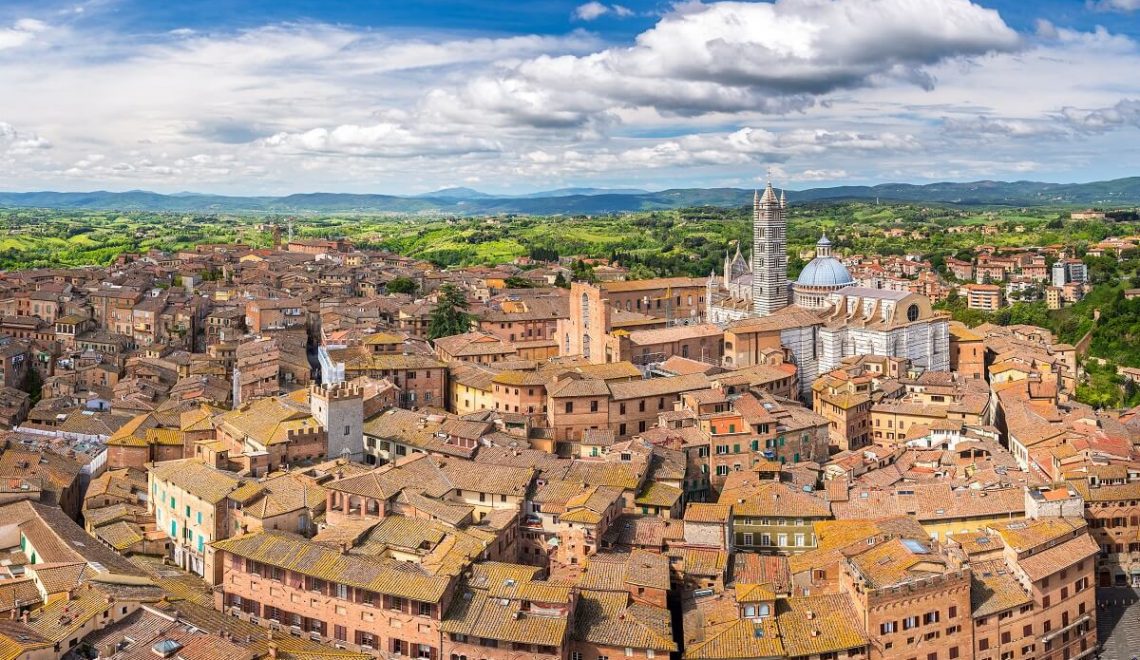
[[271, 97]]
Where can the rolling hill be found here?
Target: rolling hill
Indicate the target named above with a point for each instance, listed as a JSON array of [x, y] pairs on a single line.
[[577, 201]]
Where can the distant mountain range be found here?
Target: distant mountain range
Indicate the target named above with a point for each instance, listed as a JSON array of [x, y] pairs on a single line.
[[574, 201]]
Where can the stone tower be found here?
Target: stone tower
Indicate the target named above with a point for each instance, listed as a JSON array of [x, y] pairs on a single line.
[[339, 409], [769, 254]]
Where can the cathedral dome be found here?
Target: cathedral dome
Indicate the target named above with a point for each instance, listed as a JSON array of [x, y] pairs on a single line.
[[824, 272]]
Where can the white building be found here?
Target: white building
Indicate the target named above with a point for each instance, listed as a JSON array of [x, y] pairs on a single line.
[[844, 319]]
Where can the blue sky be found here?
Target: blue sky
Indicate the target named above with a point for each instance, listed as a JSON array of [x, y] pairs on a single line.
[[271, 97]]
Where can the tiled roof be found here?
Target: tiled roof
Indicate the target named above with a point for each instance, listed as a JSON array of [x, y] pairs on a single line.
[[476, 614], [1022, 535], [897, 562], [301, 556], [1053, 559], [995, 589], [279, 495], [656, 493], [57, 578], [700, 512], [119, 535], [195, 477], [266, 422], [714, 630], [607, 618], [768, 499], [811, 625]]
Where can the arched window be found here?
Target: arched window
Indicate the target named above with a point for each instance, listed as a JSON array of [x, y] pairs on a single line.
[[912, 313]]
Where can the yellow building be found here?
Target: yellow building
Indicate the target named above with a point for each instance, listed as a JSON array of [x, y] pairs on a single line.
[[470, 388], [188, 500]]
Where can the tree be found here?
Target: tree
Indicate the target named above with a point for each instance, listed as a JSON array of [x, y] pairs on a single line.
[[560, 281], [450, 315], [402, 285], [582, 271]]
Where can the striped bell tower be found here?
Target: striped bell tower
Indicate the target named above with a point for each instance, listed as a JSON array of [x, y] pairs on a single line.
[[769, 253]]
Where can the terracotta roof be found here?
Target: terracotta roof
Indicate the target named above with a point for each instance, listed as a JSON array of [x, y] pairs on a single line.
[[607, 618], [810, 625], [1052, 560], [301, 556], [196, 478]]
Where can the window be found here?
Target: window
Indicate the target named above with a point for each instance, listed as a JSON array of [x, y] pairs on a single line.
[[569, 407], [887, 627], [593, 406], [930, 617], [910, 622], [576, 655]]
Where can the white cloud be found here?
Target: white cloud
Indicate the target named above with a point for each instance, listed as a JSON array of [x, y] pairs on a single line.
[[735, 57], [14, 142], [820, 175], [713, 93], [595, 10], [1115, 5], [20, 33], [382, 140], [1098, 120], [984, 127]]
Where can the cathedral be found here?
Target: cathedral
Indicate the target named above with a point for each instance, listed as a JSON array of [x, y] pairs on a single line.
[[822, 317]]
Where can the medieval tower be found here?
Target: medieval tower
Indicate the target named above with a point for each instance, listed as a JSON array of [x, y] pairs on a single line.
[[769, 254], [339, 409]]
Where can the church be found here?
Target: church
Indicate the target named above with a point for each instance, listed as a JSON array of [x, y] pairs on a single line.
[[820, 318]]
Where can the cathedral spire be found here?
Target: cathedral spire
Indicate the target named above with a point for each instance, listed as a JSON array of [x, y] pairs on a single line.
[[769, 196]]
